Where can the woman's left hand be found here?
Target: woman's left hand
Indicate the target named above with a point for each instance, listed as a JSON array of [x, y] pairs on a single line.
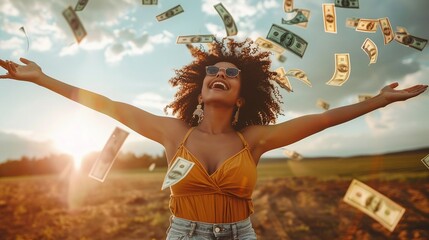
[[391, 95]]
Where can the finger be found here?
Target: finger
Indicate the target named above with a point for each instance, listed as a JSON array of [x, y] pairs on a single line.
[[5, 76], [394, 85], [24, 60], [12, 68]]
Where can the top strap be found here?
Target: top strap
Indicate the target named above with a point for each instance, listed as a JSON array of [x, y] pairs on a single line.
[[186, 136], [242, 139]]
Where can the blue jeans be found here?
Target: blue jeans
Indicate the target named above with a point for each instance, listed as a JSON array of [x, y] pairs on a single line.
[[183, 229]]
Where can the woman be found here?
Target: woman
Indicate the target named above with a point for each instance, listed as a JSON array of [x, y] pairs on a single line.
[[226, 108]]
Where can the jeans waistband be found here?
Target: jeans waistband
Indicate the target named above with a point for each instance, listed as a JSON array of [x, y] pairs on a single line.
[[214, 229]]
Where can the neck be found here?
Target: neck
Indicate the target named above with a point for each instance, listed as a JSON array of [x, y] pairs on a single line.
[[216, 120]]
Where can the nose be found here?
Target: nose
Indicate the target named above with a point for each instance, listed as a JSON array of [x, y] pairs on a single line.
[[221, 73]]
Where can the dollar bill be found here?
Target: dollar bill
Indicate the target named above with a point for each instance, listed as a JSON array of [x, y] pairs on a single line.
[[287, 40], [170, 13], [75, 24], [364, 97], [180, 168], [105, 160], [281, 58], [292, 154], [28, 40], [323, 104], [298, 18], [195, 39], [228, 21], [150, 2], [367, 25], [268, 45], [374, 204], [342, 69], [386, 29], [425, 161], [347, 3], [306, 13], [300, 75], [80, 5], [329, 18], [288, 5], [352, 22], [403, 37], [152, 167], [282, 80], [371, 50]]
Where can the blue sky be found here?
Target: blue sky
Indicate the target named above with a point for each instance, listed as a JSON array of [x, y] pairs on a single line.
[[129, 56]]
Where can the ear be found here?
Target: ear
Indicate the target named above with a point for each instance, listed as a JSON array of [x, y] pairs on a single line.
[[240, 102], [200, 99]]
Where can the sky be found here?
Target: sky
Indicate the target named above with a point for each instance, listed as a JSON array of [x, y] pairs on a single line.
[[128, 56]]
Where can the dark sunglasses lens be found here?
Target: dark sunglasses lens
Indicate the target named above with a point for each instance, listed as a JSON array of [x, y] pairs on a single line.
[[212, 70], [231, 72]]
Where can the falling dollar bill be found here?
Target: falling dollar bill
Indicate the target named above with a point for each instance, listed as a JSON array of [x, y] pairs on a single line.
[[80, 5], [170, 13], [329, 18], [386, 29], [266, 44], [106, 158], [228, 21], [403, 37], [195, 39], [364, 97], [306, 13], [425, 161], [367, 25], [374, 204], [299, 17], [347, 3], [75, 24], [371, 50], [151, 167], [292, 154], [323, 104], [342, 69], [352, 22], [287, 40], [150, 2], [28, 41], [281, 58], [288, 5], [282, 80], [300, 75], [180, 168]]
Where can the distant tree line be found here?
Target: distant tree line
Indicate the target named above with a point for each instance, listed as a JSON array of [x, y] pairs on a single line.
[[57, 163]]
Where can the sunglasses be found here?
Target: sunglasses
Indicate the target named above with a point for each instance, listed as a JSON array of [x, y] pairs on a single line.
[[229, 72]]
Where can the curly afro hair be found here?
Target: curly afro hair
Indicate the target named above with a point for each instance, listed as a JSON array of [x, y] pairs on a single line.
[[262, 99]]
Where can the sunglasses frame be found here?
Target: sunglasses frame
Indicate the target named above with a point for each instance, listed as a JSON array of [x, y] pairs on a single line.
[[225, 69]]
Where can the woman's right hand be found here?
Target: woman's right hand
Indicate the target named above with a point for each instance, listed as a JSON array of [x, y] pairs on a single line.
[[30, 71]]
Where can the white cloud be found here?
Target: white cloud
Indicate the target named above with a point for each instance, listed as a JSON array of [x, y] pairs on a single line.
[[8, 9], [11, 43], [151, 100], [41, 44]]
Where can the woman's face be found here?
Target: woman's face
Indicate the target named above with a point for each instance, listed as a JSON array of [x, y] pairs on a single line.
[[221, 87]]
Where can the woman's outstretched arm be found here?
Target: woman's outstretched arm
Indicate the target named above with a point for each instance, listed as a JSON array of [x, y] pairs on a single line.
[[147, 124], [282, 134]]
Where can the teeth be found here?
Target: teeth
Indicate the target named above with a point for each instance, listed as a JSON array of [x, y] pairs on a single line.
[[219, 85]]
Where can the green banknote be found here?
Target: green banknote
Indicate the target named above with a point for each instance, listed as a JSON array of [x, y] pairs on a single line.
[[287, 40]]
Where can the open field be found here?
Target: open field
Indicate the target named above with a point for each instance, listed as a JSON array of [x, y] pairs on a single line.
[[293, 200]]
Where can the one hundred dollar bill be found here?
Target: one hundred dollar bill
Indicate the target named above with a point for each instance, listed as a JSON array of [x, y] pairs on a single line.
[[170, 13], [347, 3], [298, 18], [180, 168], [228, 21], [374, 204], [268, 45], [292, 154], [105, 160], [352, 22], [370, 49], [80, 5], [364, 97], [367, 25], [386, 29], [323, 104], [329, 18], [287, 40], [306, 13], [282, 80], [75, 24], [300, 75], [195, 39], [288, 5], [403, 37], [150, 2], [425, 161], [342, 69]]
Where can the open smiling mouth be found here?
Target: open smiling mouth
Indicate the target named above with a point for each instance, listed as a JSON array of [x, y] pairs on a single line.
[[219, 85]]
